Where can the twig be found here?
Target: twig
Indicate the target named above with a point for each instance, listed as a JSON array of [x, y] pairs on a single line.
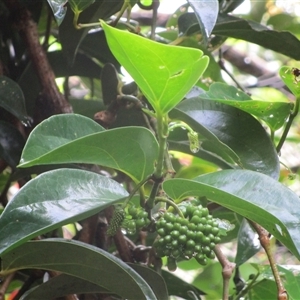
[[265, 242], [227, 271], [5, 285]]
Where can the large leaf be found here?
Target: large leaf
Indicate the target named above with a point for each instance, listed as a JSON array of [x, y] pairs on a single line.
[[230, 26], [80, 260], [253, 195], [53, 199], [206, 13], [77, 139], [12, 99], [158, 69], [234, 128], [274, 113], [64, 284]]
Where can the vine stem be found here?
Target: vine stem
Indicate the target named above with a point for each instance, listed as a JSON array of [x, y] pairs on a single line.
[[227, 270], [171, 203], [292, 116], [162, 134], [265, 242]]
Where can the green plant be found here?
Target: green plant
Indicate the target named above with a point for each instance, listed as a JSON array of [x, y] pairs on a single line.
[[115, 176]]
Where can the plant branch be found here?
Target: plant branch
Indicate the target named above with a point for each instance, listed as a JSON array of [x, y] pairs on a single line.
[[265, 242], [171, 203], [288, 125], [227, 271], [5, 285]]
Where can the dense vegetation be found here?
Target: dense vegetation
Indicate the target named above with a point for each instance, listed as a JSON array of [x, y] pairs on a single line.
[[126, 184]]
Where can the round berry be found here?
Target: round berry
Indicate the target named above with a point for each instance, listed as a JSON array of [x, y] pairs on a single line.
[[211, 255], [205, 240], [161, 232], [169, 217], [195, 220], [168, 227], [171, 263], [201, 259], [175, 234], [182, 239], [183, 229], [190, 245]]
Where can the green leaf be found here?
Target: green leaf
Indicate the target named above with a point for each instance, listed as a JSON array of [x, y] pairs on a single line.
[[256, 33], [265, 289], [248, 243], [206, 13], [80, 260], [239, 131], [76, 139], [80, 5], [158, 69], [62, 285], [291, 80], [57, 197], [12, 99], [274, 113], [253, 195], [11, 144], [59, 10], [247, 30]]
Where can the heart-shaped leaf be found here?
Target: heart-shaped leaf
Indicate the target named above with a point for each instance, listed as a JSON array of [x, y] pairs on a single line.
[[57, 197], [253, 195], [80, 260], [164, 73], [80, 5], [59, 9], [274, 113], [76, 139]]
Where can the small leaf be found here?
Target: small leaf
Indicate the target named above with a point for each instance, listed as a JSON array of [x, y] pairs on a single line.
[[76, 139], [290, 79], [274, 113], [57, 197], [12, 99], [253, 195], [80, 5], [206, 13], [80, 260], [59, 9], [158, 69], [248, 243]]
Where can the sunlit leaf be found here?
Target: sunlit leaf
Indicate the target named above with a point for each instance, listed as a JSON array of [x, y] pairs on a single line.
[[291, 77], [158, 69]]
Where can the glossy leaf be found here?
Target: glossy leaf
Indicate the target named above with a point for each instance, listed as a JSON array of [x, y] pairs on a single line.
[[265, 289], [131, 150], [206, 13], [11, 144], [253, 195], [236, 129], [12, 99], [158, 69], [248, 243], [57, 197], [58, 8], [247, 30], [63, 285], [274, 113], [80, 260], [290, 79]]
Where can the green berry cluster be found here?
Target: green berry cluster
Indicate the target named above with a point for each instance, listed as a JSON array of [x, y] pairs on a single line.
[[195, 235], [135, 219]]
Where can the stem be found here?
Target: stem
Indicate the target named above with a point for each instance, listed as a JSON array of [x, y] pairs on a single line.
[[288, 124], [265, 242], [227, 271], [5, 285], [171, 203]]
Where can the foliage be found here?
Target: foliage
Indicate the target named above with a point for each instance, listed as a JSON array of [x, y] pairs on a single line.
[[124, 183]]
